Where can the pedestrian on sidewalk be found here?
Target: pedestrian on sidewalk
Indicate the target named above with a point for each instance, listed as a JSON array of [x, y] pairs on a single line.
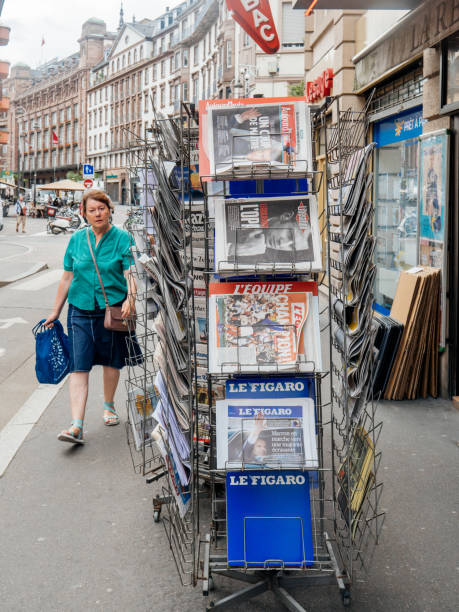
[[21, 213], [89, 342]]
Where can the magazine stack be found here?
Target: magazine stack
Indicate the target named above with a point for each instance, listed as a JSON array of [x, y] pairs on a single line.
[[352, 276]]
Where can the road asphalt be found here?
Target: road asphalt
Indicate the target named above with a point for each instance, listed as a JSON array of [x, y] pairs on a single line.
[[77, 531]]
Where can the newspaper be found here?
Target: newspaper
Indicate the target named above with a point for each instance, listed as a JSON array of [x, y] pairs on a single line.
[[267, 234], [140, 409], [240, 136], [180, 492], [263, 327], [270, 433]]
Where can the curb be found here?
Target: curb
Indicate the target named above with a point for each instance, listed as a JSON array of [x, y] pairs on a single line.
[[38, 267]]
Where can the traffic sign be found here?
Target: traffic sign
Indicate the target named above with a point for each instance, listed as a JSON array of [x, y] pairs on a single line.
[[88, 183], [88, 171]]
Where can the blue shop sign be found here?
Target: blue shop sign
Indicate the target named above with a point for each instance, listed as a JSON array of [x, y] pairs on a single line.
[[399, 127]]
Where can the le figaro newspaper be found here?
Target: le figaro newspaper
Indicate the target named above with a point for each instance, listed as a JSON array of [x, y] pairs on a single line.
[[264, 327], [275, 433], [240, 134]]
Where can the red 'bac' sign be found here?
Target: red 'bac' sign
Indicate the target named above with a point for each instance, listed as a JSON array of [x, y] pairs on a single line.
[[255, 17]]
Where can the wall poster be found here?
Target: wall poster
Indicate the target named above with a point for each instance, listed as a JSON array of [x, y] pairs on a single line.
[[433, 208]]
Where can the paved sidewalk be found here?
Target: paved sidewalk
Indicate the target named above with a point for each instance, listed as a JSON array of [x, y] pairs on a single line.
[[77, 530], [76, 523]]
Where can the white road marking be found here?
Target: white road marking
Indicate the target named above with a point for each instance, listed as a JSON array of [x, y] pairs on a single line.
[[6, 323], [22, 254], [17, 429], [44, 280], [39, 234]]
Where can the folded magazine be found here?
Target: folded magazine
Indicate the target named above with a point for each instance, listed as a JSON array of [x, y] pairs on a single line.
[[243, 135], [264, 327], [267, 234], [272, 433]]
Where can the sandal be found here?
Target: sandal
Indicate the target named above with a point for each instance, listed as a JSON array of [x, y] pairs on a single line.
[[111, 419], [68, 435]]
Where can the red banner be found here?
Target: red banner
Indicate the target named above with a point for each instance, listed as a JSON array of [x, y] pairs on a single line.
[[255, 17]]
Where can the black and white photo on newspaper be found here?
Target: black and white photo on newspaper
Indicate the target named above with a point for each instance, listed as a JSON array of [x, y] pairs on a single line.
[[266, 433], [267, 234], [277, 134]]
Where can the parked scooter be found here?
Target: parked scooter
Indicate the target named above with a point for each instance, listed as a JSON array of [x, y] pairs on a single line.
[[62, 224]]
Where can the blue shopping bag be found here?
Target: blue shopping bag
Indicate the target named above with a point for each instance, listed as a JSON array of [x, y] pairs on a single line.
[[51, 353]]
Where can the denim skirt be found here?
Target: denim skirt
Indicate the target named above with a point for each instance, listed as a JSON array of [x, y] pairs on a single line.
[[91, 344]]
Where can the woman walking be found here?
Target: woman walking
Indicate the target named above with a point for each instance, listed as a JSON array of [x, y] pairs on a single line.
[[90, 343]]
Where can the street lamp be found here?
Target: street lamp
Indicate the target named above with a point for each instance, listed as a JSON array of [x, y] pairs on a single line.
[[20, 112], [35, 126]]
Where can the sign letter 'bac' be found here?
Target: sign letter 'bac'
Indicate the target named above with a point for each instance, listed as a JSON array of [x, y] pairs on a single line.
[[255, 17]]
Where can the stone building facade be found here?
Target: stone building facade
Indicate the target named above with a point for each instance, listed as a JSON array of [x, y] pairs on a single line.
[[47, 118]]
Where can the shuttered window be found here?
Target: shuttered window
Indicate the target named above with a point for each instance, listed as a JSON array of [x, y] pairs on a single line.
[[293, 26]]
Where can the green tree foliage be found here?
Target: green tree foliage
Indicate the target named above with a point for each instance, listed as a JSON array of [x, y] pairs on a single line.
[[296, 89]]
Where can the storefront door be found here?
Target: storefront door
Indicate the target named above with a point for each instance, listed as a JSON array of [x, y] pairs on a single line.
[[396, 200]]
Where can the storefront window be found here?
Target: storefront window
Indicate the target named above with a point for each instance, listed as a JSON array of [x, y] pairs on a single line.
[[396, 200], [450, 73]]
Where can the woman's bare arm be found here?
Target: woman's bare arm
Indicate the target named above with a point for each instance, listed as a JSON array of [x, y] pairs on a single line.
[[62, 292]]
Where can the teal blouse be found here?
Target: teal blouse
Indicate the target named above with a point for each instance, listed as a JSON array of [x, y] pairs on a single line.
[[113, 256]]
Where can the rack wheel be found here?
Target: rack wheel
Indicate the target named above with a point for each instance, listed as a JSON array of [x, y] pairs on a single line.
[[211, 584], [210, 606], [346, 597], [156, 515]]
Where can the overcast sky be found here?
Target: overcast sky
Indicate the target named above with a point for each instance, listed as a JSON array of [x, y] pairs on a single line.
[[59, 23]]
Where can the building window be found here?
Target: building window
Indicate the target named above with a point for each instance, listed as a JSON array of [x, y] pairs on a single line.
[[61, 116], [39, 140], [163, 96], [113, 66], [129, 58], [75, 111], [123, 61], [68, 133], [153, 98], [145, 77], [106, 115], [46, 120], [53, 118], [100, 141], [292, 27], [141, 51], [196, 55], [106, 139], [163, 69], [185, 57], [155, 72], [195, 89], [135, 56], [90, 143], [177, 60], [172, 63], [229, 53], [69, 113], [75, 131], [145, 103], [100, 117], [118, 64]]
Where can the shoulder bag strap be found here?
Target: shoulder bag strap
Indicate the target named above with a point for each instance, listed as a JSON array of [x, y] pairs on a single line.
[[97, 269]]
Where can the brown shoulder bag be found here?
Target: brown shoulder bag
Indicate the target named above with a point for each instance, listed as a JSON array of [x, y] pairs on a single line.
[[113, 320]]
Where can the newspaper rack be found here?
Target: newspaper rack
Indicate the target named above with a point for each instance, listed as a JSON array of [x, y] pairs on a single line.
[[344, 490]]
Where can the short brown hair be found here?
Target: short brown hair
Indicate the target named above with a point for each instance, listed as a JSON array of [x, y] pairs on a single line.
[[96, 194]]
